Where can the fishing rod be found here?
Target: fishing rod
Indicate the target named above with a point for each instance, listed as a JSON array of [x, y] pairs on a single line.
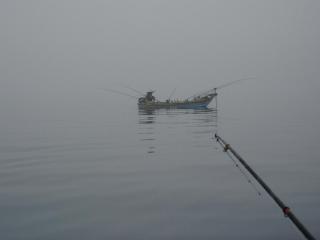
[[118, 92], [285, 209]]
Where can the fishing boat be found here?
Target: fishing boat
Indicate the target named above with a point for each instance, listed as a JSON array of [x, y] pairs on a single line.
[[198, 101]]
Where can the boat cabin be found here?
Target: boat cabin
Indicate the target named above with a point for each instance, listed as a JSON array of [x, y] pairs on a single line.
[[147, 98]]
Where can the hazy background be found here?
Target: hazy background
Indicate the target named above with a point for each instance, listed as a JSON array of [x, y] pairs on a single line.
[[56, 55]]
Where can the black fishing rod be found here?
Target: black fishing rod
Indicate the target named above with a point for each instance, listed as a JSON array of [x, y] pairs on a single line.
[[285, 209]]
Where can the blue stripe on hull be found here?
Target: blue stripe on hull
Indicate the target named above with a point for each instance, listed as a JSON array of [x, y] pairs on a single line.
[[193, 105]]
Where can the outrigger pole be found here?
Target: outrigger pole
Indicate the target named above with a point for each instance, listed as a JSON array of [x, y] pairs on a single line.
[[285, 209]]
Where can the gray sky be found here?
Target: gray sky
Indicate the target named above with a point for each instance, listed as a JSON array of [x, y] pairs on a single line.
[[70, 48]]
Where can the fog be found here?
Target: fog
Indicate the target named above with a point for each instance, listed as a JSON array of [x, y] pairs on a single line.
[[57, 56]]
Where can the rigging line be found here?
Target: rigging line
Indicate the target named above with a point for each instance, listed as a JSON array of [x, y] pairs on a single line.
[[233, 82], [118, 92], [171, 94], [131, 88], [135, 90], [219, 87], [244, 174]]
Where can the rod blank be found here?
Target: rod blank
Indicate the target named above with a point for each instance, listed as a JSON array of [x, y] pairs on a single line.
[[285, 209]]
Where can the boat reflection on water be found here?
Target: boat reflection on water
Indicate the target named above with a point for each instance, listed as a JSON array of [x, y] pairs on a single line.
[[156, 123], [147, 128]]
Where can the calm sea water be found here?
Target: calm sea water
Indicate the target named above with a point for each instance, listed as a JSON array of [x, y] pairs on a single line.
[[131, 174]]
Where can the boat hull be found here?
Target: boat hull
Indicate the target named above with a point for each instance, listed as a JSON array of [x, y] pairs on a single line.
[[201, 103]]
